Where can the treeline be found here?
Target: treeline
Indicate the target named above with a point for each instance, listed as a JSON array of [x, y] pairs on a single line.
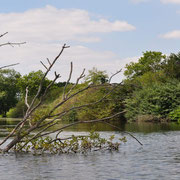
[[149, 92]]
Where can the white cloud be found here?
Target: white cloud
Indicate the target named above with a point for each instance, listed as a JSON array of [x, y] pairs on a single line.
[[51, 24], [30, 55], [171, 35], [171, 1], [43, 30]]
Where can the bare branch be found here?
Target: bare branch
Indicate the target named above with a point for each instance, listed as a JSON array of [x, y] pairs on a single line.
[[82, 122], [49, 61], [42, 80], [17, 131], [8, 66], [124, 132], [26, 98], [114, 75], [63, 113], [12, 44], [31, 108], [86, 105], [43, 65], [37, 135], [74, 94], [67, 82], [77, 81], [3, 34]]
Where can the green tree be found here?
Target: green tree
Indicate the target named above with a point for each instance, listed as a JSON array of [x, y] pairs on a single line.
[[151, 61], [96, 77], [8, 89], [171, 66], [32, 81]]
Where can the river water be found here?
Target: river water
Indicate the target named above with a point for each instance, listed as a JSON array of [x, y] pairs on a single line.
[[158, 158]]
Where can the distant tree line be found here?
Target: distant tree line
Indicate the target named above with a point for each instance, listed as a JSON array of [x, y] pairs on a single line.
[[149, 92]]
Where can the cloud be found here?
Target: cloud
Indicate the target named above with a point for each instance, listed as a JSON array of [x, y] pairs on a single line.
[[171, 1], [30, 55], [171, 35], [50, 24], [47, 28]]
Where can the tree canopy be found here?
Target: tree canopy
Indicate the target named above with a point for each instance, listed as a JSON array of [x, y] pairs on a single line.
[[8, 89], [32, 81], [151, 61], [96, 77]]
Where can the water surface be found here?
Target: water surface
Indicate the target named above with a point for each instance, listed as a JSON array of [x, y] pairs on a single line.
[[159, 158]]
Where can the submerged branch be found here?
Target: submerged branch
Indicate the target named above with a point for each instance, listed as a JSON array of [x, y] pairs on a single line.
[[124, 132]]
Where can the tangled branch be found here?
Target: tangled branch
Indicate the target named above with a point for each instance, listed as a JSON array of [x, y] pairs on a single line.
[[20, 133]]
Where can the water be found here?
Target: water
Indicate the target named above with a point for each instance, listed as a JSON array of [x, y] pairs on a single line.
[[159, 158]]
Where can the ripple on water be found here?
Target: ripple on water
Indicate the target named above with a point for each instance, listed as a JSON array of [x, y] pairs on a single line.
[[159, 158]]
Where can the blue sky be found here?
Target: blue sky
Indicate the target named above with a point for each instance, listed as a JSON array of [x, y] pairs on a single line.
[[102, 33]]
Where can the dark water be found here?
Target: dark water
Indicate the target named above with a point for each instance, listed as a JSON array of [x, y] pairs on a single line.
[[159, 158]]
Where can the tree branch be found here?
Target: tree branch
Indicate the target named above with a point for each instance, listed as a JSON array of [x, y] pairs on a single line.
[[114, 75], [67, 82], [3, 34], [8, 66], [12, 44], [82, 122]]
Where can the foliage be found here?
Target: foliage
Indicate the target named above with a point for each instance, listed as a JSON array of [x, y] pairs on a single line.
[[8, 89], [71, 116], [96, 77], [150, 78], [95, 111], [171, 66], [149, 62], [175, 114], [18, 111], [157, 100], [74, 144], [154, 84], [32, 81]]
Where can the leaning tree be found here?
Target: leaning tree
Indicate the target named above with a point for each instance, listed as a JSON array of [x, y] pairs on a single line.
[[27, 132]]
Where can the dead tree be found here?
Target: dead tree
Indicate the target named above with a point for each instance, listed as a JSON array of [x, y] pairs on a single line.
[[41, 127]]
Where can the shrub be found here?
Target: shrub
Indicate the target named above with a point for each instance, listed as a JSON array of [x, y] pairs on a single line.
[[175, 115], [158, 100], [18, 111]]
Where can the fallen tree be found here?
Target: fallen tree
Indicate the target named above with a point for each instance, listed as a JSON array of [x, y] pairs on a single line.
[[29, 134]]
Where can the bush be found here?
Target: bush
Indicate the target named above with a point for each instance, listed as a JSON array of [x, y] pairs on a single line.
[[158, 100], [175, 115], [18, 111]]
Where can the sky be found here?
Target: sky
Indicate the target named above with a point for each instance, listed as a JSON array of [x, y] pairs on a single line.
[[106, 34]]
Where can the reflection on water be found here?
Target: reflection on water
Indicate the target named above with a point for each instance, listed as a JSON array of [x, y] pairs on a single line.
[[159, 158], [144, 127]]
